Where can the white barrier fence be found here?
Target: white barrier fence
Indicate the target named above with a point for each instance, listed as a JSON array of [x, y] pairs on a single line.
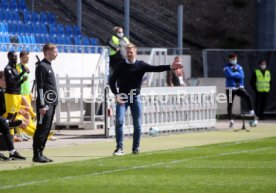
[[171, 109]]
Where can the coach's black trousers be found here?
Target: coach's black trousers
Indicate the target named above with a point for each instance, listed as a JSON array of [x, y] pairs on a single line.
[[241, 92], [43, 130]]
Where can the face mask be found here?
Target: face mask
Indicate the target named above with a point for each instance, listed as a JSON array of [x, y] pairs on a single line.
[[263, 66], [234, 62], [120, 35]]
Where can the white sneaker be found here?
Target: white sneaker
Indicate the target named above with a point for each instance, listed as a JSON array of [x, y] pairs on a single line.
[[118, 152], [253, 123], [251, 112], [231, 124]]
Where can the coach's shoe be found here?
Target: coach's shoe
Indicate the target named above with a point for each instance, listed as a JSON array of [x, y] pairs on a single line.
[[49, 160], [16, 156], [118, 152], [136, 151], [231, 124], [3, 157], [40, 159]]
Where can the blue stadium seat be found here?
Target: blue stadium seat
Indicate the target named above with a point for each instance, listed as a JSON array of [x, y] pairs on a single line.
[[94, 41], [3, 47], [93, 50], [32, 38], [22, 4], [7, 39], [100, 50], [68, 40], [44, 39], [14, 5], [77, 31], [60, 29], [85, 40], [26, 16], [77, 41], [52, 29], [4, 28], [35, 17], [44, 29], [20, 39], [69, 30], [5, 5], [51, 18], [1, 15], [38, 28], [43, 17], [21, 28], [29, 28]]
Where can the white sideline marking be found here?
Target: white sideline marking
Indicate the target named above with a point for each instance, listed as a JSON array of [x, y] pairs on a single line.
[[133, 168]]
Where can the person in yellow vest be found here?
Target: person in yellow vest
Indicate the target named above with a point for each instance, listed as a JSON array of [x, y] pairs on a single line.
[[117, 43], [261, 84]]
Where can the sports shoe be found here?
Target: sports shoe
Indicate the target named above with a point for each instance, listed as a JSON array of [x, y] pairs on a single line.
[[15, 123], [40, 159], [253, 123], [16, 156], [231, 124], [252, 112], [136, 151], [118, 151], [49, 160], [3, 157]]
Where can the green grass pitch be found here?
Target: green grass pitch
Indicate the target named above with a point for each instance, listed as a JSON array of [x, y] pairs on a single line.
[[247, 166]]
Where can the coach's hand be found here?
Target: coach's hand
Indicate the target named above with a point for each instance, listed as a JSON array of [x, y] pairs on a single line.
[[119, 99]]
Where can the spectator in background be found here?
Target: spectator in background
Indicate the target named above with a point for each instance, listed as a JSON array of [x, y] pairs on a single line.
[[176, 77], [22, 113], [25, 93], [235, 86], [25, 86], [261, 84], [117, 43], [129, 76], [13, 86]]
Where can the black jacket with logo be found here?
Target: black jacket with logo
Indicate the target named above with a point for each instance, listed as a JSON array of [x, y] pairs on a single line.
[[46, 84]]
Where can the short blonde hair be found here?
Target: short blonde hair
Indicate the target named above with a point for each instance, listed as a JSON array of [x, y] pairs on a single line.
[[48, 47], [131, 45]]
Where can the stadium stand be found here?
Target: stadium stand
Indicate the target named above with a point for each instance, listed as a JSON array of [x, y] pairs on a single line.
[[21, 28]]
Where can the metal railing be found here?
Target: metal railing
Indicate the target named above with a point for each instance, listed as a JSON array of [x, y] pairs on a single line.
[[171, 109]]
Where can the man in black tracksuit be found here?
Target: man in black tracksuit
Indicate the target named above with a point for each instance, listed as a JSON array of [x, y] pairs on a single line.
[[46, 102]]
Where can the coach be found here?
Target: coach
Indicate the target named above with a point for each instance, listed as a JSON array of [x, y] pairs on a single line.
[[129, 74]]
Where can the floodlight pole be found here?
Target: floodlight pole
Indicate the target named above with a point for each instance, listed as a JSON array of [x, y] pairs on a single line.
[[79, 13], [126, 10], [180, 29]]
